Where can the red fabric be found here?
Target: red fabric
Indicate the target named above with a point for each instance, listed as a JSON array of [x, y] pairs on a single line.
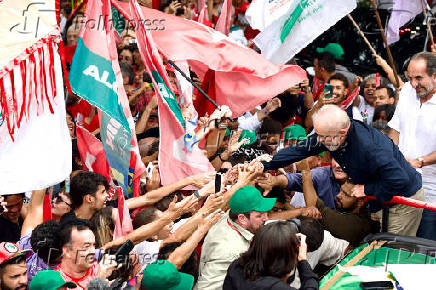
[[46, 208], [155, 4], [225, 20], [244, 79], [92, 153], [201, 104], [84, 108]]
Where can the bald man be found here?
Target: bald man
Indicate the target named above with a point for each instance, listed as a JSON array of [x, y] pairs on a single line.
[[372, 161]]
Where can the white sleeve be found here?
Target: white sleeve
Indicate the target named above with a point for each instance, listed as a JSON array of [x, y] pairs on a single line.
[[357, 115], [249, 123], [394, 123]]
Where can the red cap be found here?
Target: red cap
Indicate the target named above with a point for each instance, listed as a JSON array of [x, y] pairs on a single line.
[[10, 250]]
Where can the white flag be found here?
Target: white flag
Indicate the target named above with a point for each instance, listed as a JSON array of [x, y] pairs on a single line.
[[35, 144], [304, 21], [262, 13], [402, 12]]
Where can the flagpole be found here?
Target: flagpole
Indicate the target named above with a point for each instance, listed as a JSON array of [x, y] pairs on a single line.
[[193, 83], [362, 34], [429, 31], [388, 50]]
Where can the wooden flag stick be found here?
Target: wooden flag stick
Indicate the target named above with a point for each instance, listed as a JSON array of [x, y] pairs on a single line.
[[388, 50], [362, 34], [429, 31]]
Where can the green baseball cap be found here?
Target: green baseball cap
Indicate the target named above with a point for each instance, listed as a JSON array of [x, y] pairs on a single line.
[[164, 275], [248, 134], [294, 132], [249, 198], [333, 48], [49, 280]]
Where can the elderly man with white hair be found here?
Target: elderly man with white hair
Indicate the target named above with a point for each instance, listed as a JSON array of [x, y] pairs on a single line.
[[372, 161]]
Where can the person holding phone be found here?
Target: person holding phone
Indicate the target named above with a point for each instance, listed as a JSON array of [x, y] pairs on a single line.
[[270, 261], [336, 90]]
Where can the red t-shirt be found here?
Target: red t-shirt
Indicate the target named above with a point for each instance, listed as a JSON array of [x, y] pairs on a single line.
[[84, 108], [82, 282]]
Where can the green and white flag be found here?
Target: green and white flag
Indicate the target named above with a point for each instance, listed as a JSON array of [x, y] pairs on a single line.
[[304, 21]]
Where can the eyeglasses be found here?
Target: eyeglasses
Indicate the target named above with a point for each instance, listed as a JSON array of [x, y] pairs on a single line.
[[59, 199]]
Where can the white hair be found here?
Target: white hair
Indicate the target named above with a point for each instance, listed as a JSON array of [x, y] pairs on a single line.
[[332, 117]]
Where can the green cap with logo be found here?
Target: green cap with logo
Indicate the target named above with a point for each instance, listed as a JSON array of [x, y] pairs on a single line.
[[294, 132], [49, 280], [248, 134], [162, 275], [333, 48], [249, 198]]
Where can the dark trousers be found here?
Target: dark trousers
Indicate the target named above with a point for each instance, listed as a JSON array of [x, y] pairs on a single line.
[[427, 228]]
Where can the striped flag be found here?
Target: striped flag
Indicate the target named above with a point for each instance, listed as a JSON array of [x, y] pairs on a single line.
[[175, 161]]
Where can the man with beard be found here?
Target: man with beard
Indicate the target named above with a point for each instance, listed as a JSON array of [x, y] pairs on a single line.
[[231, 236], [369, 158], [13, 271], [327, 181], [412, 129]]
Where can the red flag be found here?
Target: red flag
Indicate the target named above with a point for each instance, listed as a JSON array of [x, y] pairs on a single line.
[[92, 153], [123, 222], [175, 161], [244, 79], [225, 20]]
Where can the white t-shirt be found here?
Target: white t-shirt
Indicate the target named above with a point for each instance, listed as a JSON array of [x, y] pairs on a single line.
[[366, 110], [416, 124], [147, 252]]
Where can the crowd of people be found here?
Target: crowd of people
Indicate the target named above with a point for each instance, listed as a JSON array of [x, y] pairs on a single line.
[[288, 199]]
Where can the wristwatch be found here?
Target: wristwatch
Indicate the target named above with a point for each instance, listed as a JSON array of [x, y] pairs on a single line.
[[421, 160]]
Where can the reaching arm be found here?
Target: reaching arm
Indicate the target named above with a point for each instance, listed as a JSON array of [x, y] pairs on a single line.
[[142, 122], [304, 149], [174, 211], [34, 215], [182, 253], [154, 196]]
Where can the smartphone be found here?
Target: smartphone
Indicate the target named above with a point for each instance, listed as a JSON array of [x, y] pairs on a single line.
[[217, 182], [377, 285], [328, 91], [122, 255], [149, 169]]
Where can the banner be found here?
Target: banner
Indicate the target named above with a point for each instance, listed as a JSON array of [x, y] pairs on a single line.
[[98, 80], [304, 21]]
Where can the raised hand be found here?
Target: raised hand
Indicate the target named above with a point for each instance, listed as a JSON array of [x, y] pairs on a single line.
[[201, 179]]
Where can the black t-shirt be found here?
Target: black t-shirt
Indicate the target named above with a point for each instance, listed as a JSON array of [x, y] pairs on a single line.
[[10, 232]]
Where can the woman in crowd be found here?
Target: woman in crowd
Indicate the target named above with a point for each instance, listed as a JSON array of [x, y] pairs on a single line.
[[270, 262]]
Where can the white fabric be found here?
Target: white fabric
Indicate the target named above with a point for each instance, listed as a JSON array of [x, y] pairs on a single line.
[[249, 121], [316, 18], [15, 37], [147, 252], [416, 125], [41, 154], [298, 200], [262, 13], [366, 110]]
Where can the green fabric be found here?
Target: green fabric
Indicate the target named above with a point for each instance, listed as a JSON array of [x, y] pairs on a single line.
[[249, 198], [118, 20], [333, 48], [49, 280], [164, 275], [294, 131], [290, 22], [374, 258], [228, 133], [247, 134], [169, 97]]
